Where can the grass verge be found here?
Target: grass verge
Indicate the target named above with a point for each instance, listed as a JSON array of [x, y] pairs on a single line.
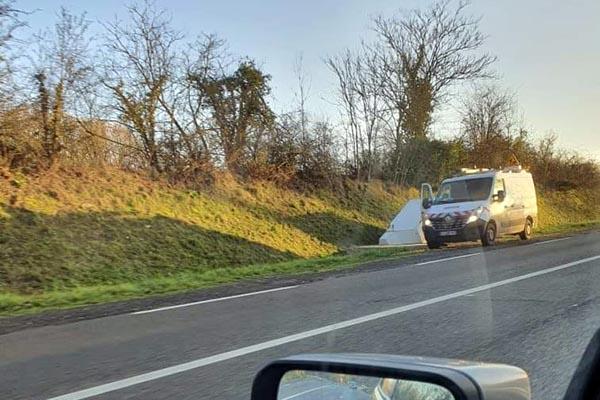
[[12, 304], [569, 227], [73, 237]]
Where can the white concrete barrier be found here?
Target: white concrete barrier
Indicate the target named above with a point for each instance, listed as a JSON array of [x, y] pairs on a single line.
[[405, 228]]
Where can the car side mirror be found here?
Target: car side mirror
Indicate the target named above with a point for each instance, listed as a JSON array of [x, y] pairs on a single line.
[[500, 196], [386, 377], [426, 195]]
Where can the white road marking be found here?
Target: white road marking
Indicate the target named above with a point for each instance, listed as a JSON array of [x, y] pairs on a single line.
[[305, 392], [291, 287], [550, 241], [201, 362], [195, 303], [448, 259]]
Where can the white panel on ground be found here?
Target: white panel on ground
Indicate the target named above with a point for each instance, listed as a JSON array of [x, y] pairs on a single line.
[[405, 228]]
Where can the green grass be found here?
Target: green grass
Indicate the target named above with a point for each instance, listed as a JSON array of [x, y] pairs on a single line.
[[569, 227], [18, 304], [567, 211], [80, 236], [67, 229]]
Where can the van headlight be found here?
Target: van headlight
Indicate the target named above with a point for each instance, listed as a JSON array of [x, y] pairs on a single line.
[[425, 219], [472, 218], [475, 215]]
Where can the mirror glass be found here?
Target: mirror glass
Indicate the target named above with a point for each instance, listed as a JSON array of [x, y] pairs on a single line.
[[426, 192], [315, 385]]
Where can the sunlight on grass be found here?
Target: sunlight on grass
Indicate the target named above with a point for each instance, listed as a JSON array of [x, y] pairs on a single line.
[[15, 304], [83, 236]]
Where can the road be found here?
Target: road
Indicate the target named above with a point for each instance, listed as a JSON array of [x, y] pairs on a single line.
[[534, 305]]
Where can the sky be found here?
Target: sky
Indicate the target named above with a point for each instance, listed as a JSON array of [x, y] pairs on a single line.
[[548, 51]]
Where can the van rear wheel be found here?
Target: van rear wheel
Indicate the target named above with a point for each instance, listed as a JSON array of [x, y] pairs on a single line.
[[488, 238], [526, 233]]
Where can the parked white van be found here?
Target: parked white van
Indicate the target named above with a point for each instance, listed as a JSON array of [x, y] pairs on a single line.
[[479, 205]]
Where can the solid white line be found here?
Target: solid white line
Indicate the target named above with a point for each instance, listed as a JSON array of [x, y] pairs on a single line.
[[448, 259], [551, 240], [213, 300], [175, 369], [305, 392]]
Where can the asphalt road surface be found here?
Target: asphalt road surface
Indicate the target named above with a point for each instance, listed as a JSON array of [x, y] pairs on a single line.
[[533, 305]]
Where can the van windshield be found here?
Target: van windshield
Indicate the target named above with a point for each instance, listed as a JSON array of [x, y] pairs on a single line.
[[475, 189]]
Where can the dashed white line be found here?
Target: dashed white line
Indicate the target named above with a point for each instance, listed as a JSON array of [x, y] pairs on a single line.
[[448, 259], [201, 362], [195, 303], [551, 241], [291, 287]]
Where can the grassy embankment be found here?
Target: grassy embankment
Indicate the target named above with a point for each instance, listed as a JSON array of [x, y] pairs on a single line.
[[79, 237]]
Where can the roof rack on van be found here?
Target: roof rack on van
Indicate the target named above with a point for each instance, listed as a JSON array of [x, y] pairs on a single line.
[[513, 168], [475, 170], [467, 171]]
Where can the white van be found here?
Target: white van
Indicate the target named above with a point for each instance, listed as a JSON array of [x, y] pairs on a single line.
[[479, 205]]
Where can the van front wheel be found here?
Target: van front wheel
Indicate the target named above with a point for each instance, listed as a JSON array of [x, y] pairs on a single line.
[[526, 233], [433, 244], [489, 234]]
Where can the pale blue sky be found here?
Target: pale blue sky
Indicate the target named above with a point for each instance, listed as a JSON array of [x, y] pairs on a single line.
[[548, 51]]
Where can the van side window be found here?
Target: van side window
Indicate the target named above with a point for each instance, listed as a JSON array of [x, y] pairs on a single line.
[[499, 185]]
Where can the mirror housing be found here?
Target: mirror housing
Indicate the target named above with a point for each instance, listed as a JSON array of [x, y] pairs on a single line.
[[500, 196], [464, 379], [426, 203]]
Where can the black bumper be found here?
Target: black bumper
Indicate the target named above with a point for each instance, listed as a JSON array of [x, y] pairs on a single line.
[[468, 233]]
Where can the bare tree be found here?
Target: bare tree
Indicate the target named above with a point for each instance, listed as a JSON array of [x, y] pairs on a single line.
[[490, 124], [17, 144], [429, 51], [302, 94], [241, 116], [360, 94], [185, 102], [391, 87], [61, 74], [10, 21], [300, 136], [488, 114], [139, 65], [342, 68]]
